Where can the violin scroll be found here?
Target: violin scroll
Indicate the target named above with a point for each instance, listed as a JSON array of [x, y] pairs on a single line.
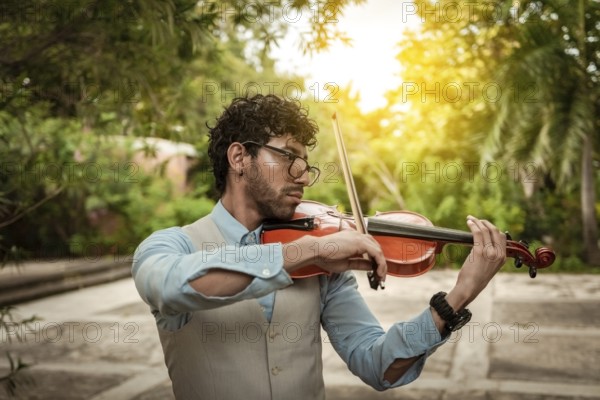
[[543, 257]]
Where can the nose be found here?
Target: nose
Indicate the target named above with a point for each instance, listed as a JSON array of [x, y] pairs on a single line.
[[303, 179]]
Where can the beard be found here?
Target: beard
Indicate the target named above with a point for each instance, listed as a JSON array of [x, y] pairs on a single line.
[[271, 203]]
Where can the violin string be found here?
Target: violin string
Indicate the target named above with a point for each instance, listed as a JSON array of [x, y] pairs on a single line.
[[394, 228]]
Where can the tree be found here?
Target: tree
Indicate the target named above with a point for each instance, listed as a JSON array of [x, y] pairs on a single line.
[[556, 53], [437, 118], [506, 83], [73, 73]]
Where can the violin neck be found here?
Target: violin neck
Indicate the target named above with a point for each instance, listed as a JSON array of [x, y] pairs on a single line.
[[432, 233]]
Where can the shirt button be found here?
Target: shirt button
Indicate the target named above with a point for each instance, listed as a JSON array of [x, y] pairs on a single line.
[[266, 272], [273, 335], [275, 370]]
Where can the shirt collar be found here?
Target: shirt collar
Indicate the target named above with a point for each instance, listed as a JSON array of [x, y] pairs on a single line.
[[231, 229]]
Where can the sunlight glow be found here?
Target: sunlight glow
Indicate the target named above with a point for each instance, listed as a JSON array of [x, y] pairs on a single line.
[[368, 65]]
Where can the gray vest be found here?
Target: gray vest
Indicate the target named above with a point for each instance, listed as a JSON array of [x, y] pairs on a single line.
[[233, 352]]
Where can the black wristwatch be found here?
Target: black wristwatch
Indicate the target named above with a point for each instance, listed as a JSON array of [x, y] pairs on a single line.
[[454, 320]]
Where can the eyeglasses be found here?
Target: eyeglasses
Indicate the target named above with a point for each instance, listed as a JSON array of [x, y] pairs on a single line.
[[297, 165]]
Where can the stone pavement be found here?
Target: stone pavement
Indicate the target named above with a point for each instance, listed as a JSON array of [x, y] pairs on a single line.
[[529, 339]]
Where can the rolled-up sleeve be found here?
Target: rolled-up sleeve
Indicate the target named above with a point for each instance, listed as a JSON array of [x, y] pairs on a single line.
[[363, 344], [165, 263]]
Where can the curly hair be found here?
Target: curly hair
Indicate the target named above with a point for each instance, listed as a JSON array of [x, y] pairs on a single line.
[[258, 118]]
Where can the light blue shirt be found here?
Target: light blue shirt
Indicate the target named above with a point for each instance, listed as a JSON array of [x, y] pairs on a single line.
[[165, 263]]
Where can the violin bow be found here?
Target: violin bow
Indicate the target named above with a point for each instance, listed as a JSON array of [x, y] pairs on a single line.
[[374, 280]]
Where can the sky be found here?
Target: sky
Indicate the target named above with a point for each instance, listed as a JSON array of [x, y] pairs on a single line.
[[375, 28]]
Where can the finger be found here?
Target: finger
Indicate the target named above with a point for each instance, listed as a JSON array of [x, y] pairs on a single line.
[[498, 239], [496, 235], [475, 230], [376, 253], [381, 270], [359, 264], [484, 236]]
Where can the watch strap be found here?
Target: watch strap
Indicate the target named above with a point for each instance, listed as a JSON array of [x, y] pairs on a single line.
[[454, 320]]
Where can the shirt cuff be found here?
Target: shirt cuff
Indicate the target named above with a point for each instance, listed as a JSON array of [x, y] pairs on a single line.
[[417, 337], [263, 262]]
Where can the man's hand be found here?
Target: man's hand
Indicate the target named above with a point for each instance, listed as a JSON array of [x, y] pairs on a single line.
[[338, 252], [485, 260]]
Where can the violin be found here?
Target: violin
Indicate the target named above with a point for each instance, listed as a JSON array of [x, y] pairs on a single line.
[[409, 241]]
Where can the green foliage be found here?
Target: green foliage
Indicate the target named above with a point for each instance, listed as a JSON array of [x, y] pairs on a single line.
[[517, 79], [558, 129], [573, 264], [74, 75], [145, 207], [564, 98]]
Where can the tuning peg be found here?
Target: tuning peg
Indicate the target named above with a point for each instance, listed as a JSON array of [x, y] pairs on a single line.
[[532, 271], [518, 263], [524, 243], [508, 237]]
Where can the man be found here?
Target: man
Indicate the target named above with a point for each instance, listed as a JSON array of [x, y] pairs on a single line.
[[233, 324]]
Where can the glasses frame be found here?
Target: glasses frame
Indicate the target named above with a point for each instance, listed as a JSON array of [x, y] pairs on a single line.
[[291, 157]]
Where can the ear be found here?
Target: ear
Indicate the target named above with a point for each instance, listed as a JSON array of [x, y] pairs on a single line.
[[235, 155]]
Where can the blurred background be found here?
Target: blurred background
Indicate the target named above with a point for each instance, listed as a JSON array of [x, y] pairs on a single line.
[[449, 108]]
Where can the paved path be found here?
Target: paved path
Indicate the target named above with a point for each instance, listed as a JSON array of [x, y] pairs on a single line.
[[529, 339]]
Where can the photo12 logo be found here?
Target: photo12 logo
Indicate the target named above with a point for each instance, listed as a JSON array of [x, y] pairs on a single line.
[[122, 91], [454, 172], [69, 332], [125, 172], [468, 92], [67, 11], [478, 11], [289, 12], [493, 332], [225, 92]]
